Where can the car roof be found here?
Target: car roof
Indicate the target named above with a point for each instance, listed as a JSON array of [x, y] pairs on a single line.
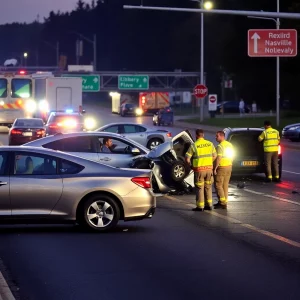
[[122, 123], [239, 129], [66, 114], [26, 119]]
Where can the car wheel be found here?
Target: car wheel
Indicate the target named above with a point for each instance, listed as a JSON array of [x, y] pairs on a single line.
[[178, 171], [153, 143], [100, 213], [187, 166]]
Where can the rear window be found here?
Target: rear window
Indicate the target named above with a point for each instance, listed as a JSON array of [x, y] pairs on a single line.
[[29, 123], [130, 105]]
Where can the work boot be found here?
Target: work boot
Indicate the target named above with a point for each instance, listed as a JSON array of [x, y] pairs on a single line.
[[208, 208], [219, 205], [277, 180], [198, 209]]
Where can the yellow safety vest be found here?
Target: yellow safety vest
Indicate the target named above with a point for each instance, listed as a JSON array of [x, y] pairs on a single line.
[[202, 152], [271, 139], [226, 151]]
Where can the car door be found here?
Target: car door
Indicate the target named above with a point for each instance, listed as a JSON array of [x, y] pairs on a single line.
[[35, 185], [117, 157], [181, 143], [83, 146], [135, 133], [5, 208]]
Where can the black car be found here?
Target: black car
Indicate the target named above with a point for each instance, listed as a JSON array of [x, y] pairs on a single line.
[[63, 122], [130, 109], [249, 152], [230, 107]]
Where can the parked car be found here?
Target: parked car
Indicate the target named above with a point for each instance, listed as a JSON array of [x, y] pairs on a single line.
[[130, 109], [230, 107], [25, 130], [164, 116], [249, 152], [291, 132], [142, 134], [43, 185]]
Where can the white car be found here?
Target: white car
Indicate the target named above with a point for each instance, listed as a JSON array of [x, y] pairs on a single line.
[[141, 134]]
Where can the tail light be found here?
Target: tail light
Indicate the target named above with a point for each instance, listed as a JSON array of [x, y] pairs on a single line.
[[16, 132], [279, 149], [53, 126], [143, 182], [169, 134], [40, 132]]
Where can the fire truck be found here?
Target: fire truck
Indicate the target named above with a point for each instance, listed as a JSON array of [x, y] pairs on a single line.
[[16, 97]]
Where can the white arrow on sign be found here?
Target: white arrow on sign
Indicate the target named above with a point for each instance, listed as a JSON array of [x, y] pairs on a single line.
[[145, 80], [95, 79], [255, 37]]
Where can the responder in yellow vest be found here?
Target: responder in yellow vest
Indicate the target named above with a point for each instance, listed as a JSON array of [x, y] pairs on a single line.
[[223, 169], [202, 153], [271, 139]]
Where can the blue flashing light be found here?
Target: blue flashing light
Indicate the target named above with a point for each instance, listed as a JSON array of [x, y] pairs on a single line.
[[69, 111]]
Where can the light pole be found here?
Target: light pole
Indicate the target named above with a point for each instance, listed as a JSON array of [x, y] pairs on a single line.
[[203, 5], [94, 42], [56, 47], [277, 21]]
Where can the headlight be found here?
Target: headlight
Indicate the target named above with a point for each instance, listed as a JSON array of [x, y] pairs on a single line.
[[44, 106], [230, 153], [139, 111], [89, 123], [30, 106]]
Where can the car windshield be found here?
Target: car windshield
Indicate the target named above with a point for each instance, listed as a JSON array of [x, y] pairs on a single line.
[[21, 88], [29, 123], [3, 88]]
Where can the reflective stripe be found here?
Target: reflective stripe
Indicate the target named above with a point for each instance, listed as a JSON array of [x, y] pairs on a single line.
[[203, 155], [208, 182], [209, 201], [199, 183], [271, 140]]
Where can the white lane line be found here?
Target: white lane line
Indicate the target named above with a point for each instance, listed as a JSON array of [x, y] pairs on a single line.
[[268, 196], [5, 292], [290, 172]]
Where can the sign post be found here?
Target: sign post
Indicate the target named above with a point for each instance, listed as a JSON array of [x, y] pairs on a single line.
[[212, 104], [200, 92]]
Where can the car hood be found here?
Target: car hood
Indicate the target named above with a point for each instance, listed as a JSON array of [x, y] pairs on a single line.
[[291, 125]]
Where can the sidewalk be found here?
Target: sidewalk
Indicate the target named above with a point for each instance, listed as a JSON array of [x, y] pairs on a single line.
[[213, 129]]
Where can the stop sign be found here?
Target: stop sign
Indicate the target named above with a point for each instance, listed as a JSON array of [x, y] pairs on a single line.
[[200, 91]]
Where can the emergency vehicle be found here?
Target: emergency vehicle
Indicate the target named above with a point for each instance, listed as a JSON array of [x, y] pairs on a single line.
[[16, 97]]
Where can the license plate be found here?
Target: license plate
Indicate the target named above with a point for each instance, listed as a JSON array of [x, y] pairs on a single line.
[[250, 163], [27, 133]]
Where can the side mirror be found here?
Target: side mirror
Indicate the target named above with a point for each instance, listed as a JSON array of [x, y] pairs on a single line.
[[135, 151]]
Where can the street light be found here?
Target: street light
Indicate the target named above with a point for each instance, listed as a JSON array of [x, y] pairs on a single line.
[[94, 42], [203, 5], [277, 21], [25, 58]]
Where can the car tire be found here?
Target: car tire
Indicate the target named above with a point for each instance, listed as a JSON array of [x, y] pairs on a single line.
[[108, 212], [187, 166], [153, 143], [178, 171]]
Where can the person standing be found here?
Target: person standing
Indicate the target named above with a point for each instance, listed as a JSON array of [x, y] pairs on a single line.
[[202, 153], [254, 107], [242, 107], [271, 139], [223, 169]]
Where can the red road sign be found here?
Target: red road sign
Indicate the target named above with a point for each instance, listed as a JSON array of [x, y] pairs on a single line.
[[272, 42], [212, 98], [200, 91]]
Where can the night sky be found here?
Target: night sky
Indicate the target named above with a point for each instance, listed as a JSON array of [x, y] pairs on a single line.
[[27, 10]]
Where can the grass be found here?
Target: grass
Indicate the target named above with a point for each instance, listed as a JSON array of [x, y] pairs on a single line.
[[245, 122]]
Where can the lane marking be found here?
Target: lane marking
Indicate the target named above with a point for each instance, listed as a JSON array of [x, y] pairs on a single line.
[[290, 172], [248, 226], [5, 292]]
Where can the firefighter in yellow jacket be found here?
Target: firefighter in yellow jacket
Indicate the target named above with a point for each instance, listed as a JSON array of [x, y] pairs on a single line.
[[223, 169], [271, 139], [202, 153]]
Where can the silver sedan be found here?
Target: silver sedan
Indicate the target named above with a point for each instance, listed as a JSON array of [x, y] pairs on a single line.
[[141, 134], [46, 185]]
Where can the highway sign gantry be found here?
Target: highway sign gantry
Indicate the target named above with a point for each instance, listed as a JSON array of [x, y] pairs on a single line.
[[90, 83], [272, 42], [133, 82]]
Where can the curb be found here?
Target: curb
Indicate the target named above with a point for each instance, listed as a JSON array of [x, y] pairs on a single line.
[[211, 129], [5, 292]]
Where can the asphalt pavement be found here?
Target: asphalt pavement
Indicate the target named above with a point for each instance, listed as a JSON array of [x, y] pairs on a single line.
[[251, 251]]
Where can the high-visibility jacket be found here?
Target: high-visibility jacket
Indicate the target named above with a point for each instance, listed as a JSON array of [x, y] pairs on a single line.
[[202, 153], [226, 151], [271, 139]]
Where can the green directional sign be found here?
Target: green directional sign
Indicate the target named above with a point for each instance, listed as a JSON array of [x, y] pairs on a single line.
[[133, 82], [90, 83]]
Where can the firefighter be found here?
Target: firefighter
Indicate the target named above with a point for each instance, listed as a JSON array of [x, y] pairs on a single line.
[[223, 169], [271, 139], [202, 153]]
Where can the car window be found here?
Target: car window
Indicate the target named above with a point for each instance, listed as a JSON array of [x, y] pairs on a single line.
[[34, 164], [56, 145], [78, 144], [140, 129], [129, 129], [29, 123], [113, 129], [118, 146], [3, 160], [68, 167]]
